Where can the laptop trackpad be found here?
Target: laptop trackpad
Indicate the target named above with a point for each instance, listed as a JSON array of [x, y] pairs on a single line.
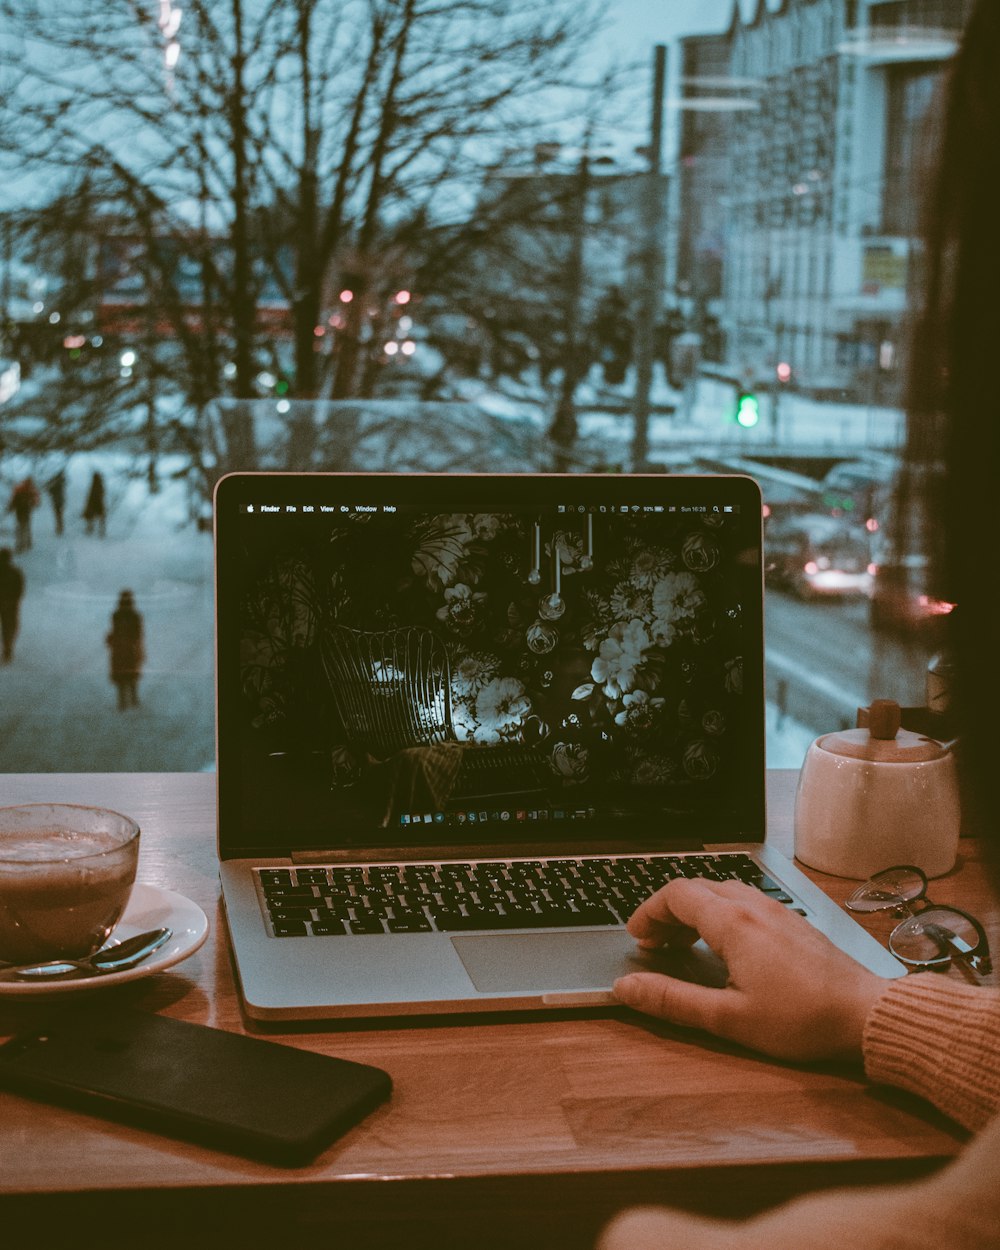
[[547, 962]]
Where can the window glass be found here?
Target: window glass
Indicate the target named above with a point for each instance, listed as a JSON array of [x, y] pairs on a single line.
[[455, 237]]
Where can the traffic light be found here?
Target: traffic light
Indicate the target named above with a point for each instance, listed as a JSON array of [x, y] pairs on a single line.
[[747, 409]]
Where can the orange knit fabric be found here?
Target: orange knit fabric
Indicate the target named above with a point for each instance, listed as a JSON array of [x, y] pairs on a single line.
[[939, 1038]]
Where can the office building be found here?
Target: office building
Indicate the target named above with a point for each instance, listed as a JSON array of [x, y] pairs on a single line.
[[806, 186]]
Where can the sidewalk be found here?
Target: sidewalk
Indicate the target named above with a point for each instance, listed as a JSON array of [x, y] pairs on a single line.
[[58, 707]]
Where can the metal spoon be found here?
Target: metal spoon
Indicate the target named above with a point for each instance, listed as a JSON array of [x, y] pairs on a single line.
[[115, 958]]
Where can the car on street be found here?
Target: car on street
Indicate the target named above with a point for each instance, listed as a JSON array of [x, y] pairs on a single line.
[[859, 490], [815, 556]]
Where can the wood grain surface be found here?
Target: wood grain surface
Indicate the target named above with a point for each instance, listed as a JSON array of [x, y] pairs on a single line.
[[515, 1130]]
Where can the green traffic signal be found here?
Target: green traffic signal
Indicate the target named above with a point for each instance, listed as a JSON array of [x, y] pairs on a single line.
[[747, 409]]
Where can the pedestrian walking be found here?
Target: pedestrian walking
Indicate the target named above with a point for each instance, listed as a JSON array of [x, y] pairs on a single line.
[[127, 652], [125, 643], [56, 487], [94, 510], [23, 501], [11, 590]]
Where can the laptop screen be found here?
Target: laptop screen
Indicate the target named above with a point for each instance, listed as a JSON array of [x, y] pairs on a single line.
[[409, 660]]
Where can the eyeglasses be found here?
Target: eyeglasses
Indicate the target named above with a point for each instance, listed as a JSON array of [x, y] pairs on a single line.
[[930, 936]]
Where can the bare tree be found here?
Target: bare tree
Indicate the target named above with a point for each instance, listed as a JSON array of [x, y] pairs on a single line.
[[246, 166]]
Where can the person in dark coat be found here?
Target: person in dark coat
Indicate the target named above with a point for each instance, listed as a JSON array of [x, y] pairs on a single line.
[[23, 502], [94, 510], [11, 590], [127, 653]]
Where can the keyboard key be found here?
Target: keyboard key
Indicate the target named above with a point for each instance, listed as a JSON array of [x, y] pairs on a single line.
[[329, 928], [420, 872], [275, 876], [279, 912], [664, 869], [289, 892], [289, 928], [410, 923], [367, 924], [370, 907], [355, 876]]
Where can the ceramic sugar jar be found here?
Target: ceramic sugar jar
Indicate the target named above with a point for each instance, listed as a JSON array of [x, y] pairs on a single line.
[[872, 798]]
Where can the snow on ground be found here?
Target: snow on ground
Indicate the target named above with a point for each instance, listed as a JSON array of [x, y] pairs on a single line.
[[57, 705]]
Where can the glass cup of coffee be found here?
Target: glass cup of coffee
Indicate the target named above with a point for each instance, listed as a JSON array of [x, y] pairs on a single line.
[[66, 873]]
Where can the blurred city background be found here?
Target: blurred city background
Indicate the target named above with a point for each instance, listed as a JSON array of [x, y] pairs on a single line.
[[657, 235]]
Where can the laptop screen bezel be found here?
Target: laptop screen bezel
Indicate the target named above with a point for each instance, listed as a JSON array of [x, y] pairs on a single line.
[[443, 492]]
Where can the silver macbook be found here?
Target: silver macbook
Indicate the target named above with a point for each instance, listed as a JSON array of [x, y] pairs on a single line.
[[466, 723]]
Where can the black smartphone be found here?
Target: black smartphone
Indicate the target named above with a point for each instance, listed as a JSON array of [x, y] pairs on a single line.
[[243, 1094]]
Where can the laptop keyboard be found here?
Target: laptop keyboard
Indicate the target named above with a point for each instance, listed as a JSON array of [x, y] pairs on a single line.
[[469, 897]]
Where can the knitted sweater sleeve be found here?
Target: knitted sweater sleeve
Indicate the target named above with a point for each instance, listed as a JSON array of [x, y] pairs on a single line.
[[939, 1038]]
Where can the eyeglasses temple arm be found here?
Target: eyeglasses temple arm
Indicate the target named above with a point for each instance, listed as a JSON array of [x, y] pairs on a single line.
[[962, 950]]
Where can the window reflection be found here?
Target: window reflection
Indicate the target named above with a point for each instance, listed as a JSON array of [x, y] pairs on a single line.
[[332, 245]]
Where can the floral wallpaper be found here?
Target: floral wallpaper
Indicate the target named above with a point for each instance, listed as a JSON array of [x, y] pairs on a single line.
[[614, 644]]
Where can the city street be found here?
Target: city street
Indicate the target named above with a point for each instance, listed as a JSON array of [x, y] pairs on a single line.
[[824, 661], [58, 710]]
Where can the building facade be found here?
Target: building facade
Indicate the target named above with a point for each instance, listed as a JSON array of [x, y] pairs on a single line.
[[696, 248], [821, 186]]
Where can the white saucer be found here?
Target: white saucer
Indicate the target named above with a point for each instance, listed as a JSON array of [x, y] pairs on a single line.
[[148, 908]]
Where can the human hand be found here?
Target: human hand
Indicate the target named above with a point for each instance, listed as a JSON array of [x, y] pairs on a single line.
[[658, 1228], [791, 992]]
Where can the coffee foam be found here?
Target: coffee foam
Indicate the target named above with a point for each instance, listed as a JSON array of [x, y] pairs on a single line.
[[47, 845]]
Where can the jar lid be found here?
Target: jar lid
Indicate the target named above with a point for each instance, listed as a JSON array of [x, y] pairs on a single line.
[[883, 742]]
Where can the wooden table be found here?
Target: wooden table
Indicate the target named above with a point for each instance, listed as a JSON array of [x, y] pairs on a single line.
[[514, 1131]]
